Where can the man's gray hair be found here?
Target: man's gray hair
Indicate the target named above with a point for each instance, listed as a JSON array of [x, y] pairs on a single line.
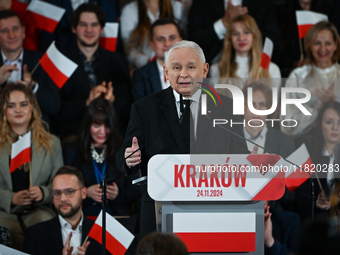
[[185, 45]]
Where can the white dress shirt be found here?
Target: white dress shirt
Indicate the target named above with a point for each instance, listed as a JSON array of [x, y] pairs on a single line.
[[260, 139], [16, 75], [194, 106], [66, 228]]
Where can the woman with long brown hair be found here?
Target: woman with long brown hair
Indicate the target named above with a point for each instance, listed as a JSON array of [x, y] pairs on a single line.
[[26, 192], [136, 20]]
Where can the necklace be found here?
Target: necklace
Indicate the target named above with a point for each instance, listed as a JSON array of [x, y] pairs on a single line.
[[99, 158]]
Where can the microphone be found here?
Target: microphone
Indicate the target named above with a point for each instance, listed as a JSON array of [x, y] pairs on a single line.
[[264, 149]]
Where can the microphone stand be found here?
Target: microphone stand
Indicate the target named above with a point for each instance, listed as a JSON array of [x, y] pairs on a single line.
[[312, 198], [104, 216]]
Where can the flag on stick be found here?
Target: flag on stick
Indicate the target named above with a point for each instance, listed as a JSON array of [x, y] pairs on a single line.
[[108, 39], [44, 15], [118, 238], [267, 53], [57, 66], [21, 152], [296, 176], [306, 19]]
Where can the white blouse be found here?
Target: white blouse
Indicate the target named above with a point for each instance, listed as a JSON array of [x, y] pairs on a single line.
[[128, 23], [243, 72], [312, 78]]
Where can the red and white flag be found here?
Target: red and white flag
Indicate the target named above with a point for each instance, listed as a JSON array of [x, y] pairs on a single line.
[[267, 53], [306, 19], [57, 66], [216, 232], [296, 176], [108, 39], [118, 238], [21, 152], [44, 15]]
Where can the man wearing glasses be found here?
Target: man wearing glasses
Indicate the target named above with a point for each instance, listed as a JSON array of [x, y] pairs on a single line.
[[64, 234]]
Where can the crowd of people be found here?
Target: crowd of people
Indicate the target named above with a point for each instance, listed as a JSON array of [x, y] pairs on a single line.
[[117, 102]]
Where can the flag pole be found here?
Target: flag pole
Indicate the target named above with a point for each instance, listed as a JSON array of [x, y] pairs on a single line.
[[87, 237], [301, 49], [36, 66]]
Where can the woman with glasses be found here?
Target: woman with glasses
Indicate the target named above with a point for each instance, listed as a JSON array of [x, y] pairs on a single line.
[[93, 153], [26, 192]]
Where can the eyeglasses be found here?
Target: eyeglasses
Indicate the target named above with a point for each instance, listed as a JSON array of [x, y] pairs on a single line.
[[67, 192]]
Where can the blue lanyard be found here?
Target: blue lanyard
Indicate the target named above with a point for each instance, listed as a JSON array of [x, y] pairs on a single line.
[[99, 175]]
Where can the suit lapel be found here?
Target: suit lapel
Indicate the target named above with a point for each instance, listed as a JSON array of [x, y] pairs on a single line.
[[169, 112], [4, 166], [203, 122], [36, 163], [154, 77]]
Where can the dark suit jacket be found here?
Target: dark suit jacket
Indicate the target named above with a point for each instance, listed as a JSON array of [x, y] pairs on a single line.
[[286, 230], [279, 143], [203, 14], [127, 194], [110, 67], [47, 94], [45, 238], [154, 121], [145, 81]]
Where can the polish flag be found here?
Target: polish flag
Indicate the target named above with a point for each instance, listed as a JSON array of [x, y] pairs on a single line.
[[108, 39], [44, 15], [21, 152], [57, 66], [118, 238], [216, 232], [267, 53], [296, 176], [306, 19]]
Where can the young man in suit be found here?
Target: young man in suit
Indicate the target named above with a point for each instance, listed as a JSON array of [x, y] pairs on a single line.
[[155, 123], [269, 138], [64, 234], [151, 78], [20, 62], [95, 66]]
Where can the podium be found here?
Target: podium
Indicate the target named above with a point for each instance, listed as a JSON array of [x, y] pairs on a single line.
[[214, 203]]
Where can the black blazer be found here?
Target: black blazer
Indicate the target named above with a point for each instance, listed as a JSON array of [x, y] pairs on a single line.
[[279, 143], [286, 232], [110, 67], [48, 93], [203, 14], [145, 81], [45, 238], [127, 193]]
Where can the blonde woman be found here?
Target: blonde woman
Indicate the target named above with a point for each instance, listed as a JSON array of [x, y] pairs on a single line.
[[242, 53], [319, 75], [26, 193]]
